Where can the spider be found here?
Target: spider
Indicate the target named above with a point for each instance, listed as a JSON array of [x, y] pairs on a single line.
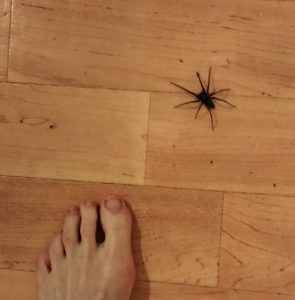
[[205, 97]]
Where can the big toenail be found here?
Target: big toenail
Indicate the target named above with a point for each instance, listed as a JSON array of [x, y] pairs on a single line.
[[73, 210], [113, 203], [89, 203]]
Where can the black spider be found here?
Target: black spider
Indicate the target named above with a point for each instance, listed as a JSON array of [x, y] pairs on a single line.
[[205, 97]]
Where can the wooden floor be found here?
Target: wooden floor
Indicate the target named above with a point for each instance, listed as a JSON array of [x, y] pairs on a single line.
[[87, 108]]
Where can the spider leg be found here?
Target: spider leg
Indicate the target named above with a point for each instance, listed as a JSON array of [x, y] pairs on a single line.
[[218, 99], [211, 118], [201, 83], [209, 79], [181, 87], [219, 91], [200, 106], [189, 102]]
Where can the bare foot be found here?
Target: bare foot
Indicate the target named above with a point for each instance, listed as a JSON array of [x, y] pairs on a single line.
[[84, 270]]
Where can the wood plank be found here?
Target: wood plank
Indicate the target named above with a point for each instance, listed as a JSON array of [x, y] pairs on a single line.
[[22, 285], [250, 150], [4, 37], [73, 133], [142, 45], [258, 243], [176, 237]]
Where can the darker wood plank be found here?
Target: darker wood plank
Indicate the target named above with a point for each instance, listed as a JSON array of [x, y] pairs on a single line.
[[22, 285], [175, 239], [258, 243]]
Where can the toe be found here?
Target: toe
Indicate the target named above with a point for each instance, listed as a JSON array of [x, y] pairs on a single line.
[[43, 265], [88, 223], [71, 229], [116, 220], [56, 250]]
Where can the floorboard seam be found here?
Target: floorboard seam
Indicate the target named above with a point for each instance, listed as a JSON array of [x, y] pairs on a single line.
[[147, 138]]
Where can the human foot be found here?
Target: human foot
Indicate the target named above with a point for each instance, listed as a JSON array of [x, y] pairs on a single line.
[[77, 268]]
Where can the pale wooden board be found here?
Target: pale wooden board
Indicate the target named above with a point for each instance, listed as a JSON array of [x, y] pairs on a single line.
[[4, 36], [144, 44], [73, 133], [16, 285], [258, 243], [251, 150], [176, 237]]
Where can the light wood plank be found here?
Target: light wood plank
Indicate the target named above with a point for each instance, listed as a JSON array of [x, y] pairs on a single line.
[[73, 133], [144, 44], [4, 36], [176, 237], [258, 243], [250, 150], [17, 285]]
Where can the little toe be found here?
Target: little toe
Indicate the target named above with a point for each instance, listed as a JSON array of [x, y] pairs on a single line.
[[56, 250], [116, 220], [71, 229], [88, 223]]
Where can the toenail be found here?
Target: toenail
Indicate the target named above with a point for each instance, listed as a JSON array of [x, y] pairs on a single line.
[[113, 203], [73, 210], [89, 203]]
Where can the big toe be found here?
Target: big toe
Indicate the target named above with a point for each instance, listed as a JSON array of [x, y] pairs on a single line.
[[116, 220]]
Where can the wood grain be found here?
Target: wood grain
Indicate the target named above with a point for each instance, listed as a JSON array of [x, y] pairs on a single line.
[[22, 285], [4, 37], [142, 45], [251, 149], [73, 133], [180, 247], [258, 243]]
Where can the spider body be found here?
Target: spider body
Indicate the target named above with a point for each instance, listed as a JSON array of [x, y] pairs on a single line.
[[205, 97], [206, 100]]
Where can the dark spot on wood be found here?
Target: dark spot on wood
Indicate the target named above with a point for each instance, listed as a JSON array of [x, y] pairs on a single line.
[[51, 126], [274, 185], [85, 73], [263, 93], [155, 13], [250, 172], [214, 51], [109, 8], [173, 146], [128, 175], [54, 38], [3, 119], [180, 60], [228, 61], [211, 162], [37, 6], [228, 28]]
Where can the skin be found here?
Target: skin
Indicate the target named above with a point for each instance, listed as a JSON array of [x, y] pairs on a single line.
[[75, 267]]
